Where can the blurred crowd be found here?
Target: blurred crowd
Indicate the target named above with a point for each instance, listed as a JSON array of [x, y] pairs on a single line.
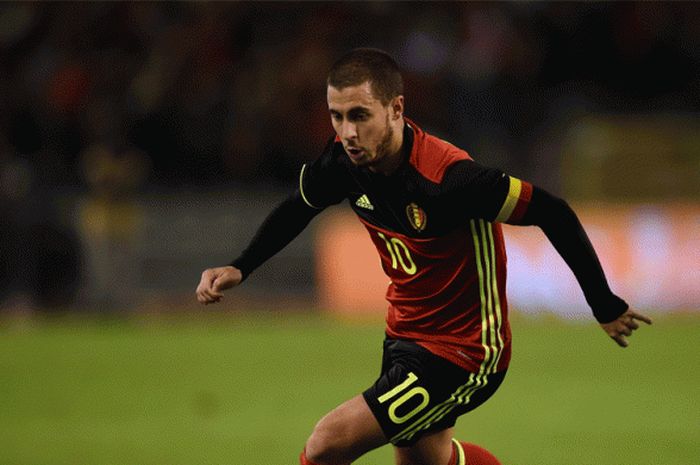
[[111, 99], [212, 93]]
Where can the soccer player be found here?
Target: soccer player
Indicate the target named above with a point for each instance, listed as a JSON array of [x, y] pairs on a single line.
[[433, 215]]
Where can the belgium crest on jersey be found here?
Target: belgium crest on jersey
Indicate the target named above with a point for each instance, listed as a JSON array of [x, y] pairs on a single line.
[[416, 216]]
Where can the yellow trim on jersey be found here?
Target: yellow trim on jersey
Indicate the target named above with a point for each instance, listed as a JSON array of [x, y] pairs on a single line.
[[511, 200], [301, 189], [496, 300], [493, 299], [461, 459], [485, 307]]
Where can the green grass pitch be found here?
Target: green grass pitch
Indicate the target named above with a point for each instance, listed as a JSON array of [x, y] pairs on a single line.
[[248, 390]]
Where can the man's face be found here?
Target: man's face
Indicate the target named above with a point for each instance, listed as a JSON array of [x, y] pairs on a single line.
[[361, 122]]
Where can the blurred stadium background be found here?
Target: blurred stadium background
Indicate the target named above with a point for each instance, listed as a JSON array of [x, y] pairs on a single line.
[[143, 142]]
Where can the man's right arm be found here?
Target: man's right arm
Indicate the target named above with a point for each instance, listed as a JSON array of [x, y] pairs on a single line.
[[282, 225]]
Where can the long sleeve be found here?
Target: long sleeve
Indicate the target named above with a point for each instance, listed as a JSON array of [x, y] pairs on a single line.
[[564, 230], [281, 226]]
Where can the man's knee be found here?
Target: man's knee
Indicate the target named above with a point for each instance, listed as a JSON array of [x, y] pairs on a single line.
[[415, 458], [328, 444], [432, 449]]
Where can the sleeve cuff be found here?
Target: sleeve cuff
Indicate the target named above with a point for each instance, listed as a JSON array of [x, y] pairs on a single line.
[[609, 310]]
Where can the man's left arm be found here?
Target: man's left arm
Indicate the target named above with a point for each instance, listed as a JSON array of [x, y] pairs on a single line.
[[529, 205]]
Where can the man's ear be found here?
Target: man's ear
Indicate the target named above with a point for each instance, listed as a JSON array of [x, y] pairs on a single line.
[[397, 107]]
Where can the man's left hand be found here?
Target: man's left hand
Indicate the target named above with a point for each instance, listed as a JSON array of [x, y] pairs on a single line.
[[623, 326]]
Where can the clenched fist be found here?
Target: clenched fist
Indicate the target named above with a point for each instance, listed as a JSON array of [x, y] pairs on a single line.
[[216, 280]]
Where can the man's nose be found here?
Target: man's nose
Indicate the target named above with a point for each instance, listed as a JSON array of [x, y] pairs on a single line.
[[348, 131]]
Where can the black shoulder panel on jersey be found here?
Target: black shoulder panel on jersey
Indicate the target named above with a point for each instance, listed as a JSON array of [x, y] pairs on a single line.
[[324, 182], [479, 189]]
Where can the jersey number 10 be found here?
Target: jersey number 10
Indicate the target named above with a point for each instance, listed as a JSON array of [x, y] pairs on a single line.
[[399, 254]]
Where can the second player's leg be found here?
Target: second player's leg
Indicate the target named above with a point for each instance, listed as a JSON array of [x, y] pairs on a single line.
[[344, 434]]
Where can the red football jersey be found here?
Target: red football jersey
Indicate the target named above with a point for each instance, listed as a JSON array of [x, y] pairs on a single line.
[[435, 225]]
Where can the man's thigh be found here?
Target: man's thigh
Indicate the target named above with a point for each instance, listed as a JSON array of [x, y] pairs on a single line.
[[419, 392], [345, 433]]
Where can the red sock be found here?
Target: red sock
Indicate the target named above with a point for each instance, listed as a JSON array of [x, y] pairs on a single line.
[[475, 455], [303, 460]]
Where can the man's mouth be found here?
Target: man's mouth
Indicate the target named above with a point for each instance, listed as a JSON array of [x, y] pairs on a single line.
[[355, 153]]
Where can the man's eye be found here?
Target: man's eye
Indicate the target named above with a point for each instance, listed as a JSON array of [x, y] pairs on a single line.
[[361, 117]]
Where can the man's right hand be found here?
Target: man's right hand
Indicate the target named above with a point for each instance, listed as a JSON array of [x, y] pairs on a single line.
[[216, 280]]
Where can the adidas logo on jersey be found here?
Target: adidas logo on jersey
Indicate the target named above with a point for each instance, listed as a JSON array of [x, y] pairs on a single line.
[[363, 202]]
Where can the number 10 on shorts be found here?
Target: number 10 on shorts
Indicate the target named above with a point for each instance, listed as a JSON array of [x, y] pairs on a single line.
[[405, 397]]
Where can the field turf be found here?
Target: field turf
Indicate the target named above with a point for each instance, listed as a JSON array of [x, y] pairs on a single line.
[[247, 390]]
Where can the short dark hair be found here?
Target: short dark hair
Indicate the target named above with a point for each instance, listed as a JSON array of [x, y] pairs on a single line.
[[368, 64]]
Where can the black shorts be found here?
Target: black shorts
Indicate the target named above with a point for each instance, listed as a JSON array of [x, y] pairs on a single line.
[[419, 392]]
